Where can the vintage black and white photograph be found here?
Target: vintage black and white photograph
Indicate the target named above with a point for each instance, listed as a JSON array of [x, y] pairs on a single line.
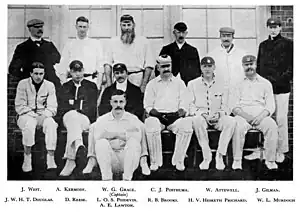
[[150, 92]]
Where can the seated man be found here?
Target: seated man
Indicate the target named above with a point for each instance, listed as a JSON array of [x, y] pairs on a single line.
[[209, 107], [254, 106], [133, 105], [78, 108], [117, 136], [36, 104], [166, 101]]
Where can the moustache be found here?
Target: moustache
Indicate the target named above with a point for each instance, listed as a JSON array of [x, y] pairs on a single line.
[[180, 37], [118, 108], [249, 69], [40, 31], [166, 72]]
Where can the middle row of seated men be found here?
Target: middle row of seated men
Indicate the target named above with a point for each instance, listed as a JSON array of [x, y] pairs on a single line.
[[118, 140]]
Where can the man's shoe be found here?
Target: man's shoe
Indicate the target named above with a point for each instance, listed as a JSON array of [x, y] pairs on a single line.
[[279, 157], [154, 167], [90, 165], [237, 164], [271, 165], [205, 164], [255, 155], [26, 167], [51, 162], [180, 166], [68, 169]]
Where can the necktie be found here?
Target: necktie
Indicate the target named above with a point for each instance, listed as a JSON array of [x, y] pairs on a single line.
[[38, 43]]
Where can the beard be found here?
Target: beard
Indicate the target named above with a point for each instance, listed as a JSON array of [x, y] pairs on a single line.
[[127, 37]]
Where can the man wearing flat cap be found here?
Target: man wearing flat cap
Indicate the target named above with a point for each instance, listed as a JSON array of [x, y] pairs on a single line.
[[134, 105], [36, 105], [77, 108], [228, 59], [253, 107], [89, 51], [132, 50], [166, 102], [185, 57], [35, 49], [275, 63], [209, 108]]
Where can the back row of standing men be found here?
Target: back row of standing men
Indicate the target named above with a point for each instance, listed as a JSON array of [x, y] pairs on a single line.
[[274, 62]]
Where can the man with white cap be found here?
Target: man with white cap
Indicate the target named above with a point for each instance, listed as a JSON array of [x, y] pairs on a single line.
[[253, 107], [36, 105], [209, 107], [275, 63], [132, 50], [166, 102], [227, 57], [87, 50], [78, 108], [117, 138]]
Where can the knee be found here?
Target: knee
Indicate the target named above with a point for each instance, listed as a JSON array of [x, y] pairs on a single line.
[[30, 123], [133, 143], [186, 124], [102, 144], [198, 121], [152, 124], [230, 122], [269, 123], [50, 123], [70, 115]]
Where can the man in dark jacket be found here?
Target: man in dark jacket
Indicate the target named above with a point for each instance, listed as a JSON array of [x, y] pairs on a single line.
[[133, 93], [35, 49], [78, 108], [134, 105], [185, 58], [275, 63]]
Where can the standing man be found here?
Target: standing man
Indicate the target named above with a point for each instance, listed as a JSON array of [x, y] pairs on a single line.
[[185, 58], [254, 105], [209, 107], [117, 138], [134, 105], [275, 63], [88, 51], [167, 102], [36, 104], [78, 108], [228, 58], [134, 51]]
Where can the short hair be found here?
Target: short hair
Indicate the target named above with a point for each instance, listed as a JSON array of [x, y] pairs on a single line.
[[118, 92], [82, 19], [36, 65]]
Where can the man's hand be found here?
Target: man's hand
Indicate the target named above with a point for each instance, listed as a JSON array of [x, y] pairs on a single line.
[[213, 119], [257, 120], [108, 135], [155, 113], [181, 112]]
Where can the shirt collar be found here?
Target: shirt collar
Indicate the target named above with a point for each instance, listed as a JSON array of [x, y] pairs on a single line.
[[35, 39], [169, 80], [206, 84], [180, 45], [255, 78], [122, 85], [111, 116], [229, 49], [79, 84], [87, 37]]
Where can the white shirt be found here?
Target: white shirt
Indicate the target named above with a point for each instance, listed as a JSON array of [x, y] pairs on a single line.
[[135, 56], [88, 51], [180, 44], [166, 96], [121, 86]]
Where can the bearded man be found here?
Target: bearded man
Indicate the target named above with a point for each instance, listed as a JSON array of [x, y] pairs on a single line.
[[133, 51]]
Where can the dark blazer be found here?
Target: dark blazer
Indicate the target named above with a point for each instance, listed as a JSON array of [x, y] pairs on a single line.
[[275, 63], [28, 52], [184, 61], [87, 92], [133, 97]]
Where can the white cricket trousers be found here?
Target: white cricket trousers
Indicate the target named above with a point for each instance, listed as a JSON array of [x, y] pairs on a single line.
[[28, 124], [75, 124]]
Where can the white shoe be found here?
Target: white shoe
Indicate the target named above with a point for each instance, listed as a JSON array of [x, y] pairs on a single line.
[[145, 169], [26, 167], [237, 164], [51, 162], [126, 178], [180, 166], [205, 164], [154, 167], [255, 155], [68, 169], [279, 157], [90, 165], [219, 162], [271, 165]]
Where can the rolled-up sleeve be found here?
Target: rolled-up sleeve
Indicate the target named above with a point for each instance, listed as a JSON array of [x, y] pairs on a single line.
[[269, 97]]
